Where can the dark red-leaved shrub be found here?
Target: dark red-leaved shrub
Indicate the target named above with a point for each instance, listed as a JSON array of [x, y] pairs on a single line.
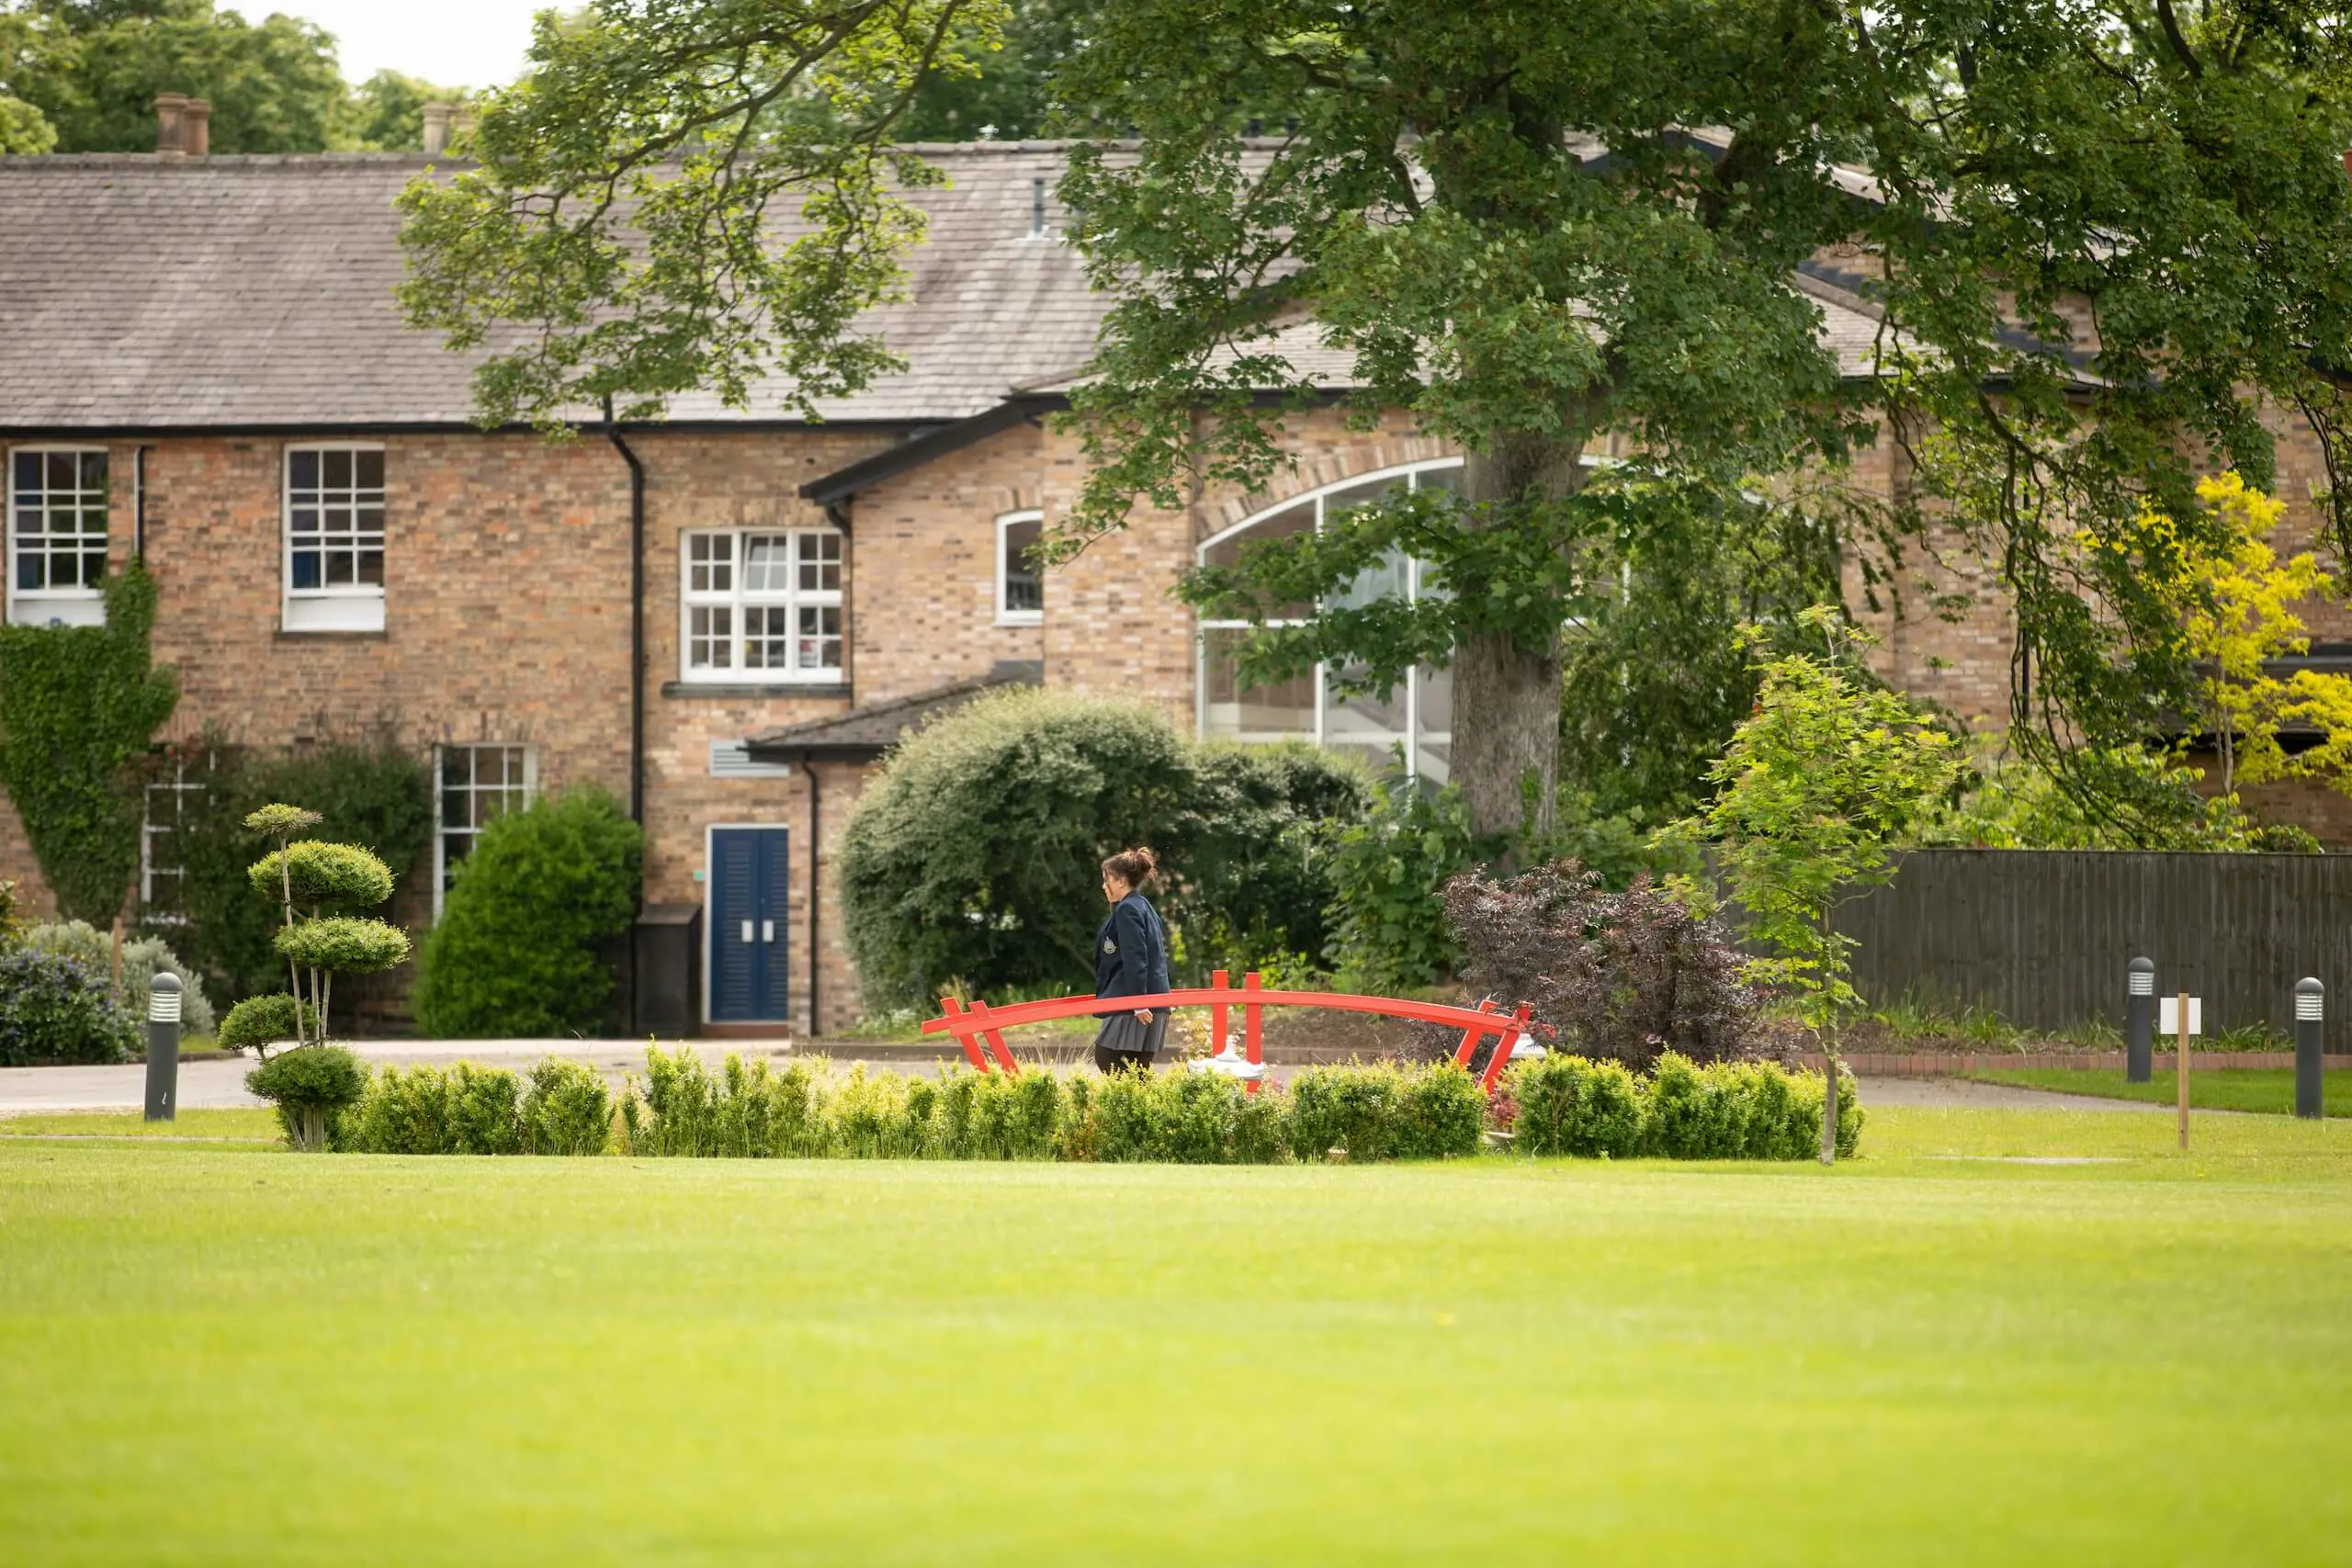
[[1616, 976]]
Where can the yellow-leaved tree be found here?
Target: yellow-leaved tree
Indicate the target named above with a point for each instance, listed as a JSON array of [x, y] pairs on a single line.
[[2241, 620]]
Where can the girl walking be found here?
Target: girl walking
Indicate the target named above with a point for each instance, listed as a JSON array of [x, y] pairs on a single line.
[[1130, 960]]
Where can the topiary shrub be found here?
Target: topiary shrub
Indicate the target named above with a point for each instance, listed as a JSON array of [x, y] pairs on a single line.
[[143, 958], [374, 796], [310, 1087], [261, 1024], [1570, 1106], [514, 952], [567, 1110], [58, 1009]]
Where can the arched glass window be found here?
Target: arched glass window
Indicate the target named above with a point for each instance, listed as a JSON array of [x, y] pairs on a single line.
[[1418, 715]]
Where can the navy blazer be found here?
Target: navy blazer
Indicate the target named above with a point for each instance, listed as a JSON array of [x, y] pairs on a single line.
[[1131, 951]]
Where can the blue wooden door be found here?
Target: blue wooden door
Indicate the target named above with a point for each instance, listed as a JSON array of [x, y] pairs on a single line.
[[750, 887]]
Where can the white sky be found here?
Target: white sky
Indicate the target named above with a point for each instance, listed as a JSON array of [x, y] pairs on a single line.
[[451, 43]]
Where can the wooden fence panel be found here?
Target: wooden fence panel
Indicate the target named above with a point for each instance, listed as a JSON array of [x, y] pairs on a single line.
[[2042, 937]]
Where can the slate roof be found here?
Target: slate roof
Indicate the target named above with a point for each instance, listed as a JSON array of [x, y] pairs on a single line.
[[865, 733], [139, 292]]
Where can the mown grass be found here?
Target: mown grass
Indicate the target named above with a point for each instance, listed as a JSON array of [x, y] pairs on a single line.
[[2270, 1089], [220, 1355], [253, 1124]]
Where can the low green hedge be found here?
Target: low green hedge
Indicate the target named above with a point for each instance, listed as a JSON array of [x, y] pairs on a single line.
[[1566, 1105], [1559, 1105]]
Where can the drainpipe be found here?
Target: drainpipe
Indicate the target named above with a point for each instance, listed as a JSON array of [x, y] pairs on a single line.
[[635, 617], [815, 863], [139, 502]]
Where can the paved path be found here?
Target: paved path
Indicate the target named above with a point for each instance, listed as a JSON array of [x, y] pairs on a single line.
[[212, 1085], [1964, 1093]]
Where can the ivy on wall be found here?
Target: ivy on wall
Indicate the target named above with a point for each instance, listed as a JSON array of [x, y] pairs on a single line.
[[78, 705]]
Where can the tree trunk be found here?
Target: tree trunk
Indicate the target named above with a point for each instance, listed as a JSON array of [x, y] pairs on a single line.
[[1828, 1101], [1506, 698]]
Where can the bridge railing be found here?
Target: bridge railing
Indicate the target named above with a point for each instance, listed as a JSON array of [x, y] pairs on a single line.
[[980, 1027]]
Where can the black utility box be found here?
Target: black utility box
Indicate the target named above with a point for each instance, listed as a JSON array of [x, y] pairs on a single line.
[[669, 970]]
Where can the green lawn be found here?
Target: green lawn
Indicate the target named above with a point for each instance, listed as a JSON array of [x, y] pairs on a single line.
[[254, 1125], [217, 1355], [2229, 1088]]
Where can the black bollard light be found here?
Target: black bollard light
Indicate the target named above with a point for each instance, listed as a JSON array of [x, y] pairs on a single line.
[[2311, 1019], [163, 1047], [2140, 1021]]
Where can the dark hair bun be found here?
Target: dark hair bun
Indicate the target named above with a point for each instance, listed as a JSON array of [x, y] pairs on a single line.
[[1135, 867]]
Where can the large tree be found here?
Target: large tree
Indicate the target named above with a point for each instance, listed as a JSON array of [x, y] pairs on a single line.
[[91, 70], [2099, 236], [2102, 237]]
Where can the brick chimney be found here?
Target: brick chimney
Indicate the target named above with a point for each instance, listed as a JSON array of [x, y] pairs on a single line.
[[182, 126], [437, 128], [171, 124]]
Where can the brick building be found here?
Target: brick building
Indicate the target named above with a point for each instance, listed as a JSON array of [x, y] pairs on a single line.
[[723, 619]]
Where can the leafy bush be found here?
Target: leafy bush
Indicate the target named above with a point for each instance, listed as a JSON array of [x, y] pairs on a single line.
[[373, 794], [12, 921], [58, 1009], [143, 958], [310, 1086], [463, 1109], [261, 1022], [514, 952], [567, 1110], [343, 944], [1256, 886], [1569, 1106], [1385, 871], [1622, 976], [1440, 1114], [976, 855]]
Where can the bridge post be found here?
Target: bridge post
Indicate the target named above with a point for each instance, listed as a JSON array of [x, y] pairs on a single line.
[[1470, 1038], [1218, 982], [995, 1037], [1517, 1027], [1253, 1025], [964, 1037]]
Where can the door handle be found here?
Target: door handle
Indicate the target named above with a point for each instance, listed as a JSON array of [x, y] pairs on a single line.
[[767, 931], [747, 931]]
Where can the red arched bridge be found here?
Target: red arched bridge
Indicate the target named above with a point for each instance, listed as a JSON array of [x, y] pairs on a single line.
[[982, 1024]]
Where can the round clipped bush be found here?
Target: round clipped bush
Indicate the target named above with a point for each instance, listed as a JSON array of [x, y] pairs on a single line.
[[310, 1087], [1568, 1105], [344, 944], [567, 1110], [58, 1009], [263, 1024], [514, 952], [977, 853], [333, 875]]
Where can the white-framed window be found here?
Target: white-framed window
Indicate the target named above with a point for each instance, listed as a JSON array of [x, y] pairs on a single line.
[[474, 786], [760, 604], [57, 534], [1019, 586], [1418, 717], [335, 538], [171, 798]]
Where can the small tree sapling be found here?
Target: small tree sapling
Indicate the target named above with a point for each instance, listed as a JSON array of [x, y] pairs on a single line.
[[1829, 770]]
